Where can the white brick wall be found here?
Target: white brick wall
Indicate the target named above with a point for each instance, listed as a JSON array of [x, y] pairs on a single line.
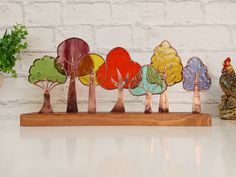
[[185, 13], [204, 28], [43, 14], [139, 12]]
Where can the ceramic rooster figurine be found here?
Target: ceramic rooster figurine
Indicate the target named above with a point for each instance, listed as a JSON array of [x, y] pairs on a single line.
[[227, 105]]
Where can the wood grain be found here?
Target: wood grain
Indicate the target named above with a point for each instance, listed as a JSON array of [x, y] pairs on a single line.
[[115, 119]]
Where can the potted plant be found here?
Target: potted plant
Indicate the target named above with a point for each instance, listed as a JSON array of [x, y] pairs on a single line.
[[11, 45]]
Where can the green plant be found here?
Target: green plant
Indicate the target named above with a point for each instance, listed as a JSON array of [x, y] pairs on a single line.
[[11, 45]]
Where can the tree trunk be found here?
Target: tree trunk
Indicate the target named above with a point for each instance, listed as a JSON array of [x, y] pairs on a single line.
[[46, 108], [71, 99], [196, 98], [148, 103], [119, 106], [163, 103], [92, 95]]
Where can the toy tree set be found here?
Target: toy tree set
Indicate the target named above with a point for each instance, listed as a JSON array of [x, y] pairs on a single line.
[[118, 71]]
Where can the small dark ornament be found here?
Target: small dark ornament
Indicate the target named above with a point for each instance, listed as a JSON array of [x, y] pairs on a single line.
[[227, 105]]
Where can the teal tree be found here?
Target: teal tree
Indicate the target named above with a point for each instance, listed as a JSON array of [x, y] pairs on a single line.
[[147, 82], [44, 74]]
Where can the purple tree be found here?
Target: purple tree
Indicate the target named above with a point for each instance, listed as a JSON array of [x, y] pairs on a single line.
[[196, 79]]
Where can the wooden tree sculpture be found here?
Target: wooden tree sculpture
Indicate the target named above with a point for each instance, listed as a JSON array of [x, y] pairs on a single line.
[[117, 72], [196, 79], [44, 75], [147, 82], [70, 52], [87, 69], [166, 61]]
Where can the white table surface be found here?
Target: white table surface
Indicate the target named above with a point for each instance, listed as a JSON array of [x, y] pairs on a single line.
[[118, 151]]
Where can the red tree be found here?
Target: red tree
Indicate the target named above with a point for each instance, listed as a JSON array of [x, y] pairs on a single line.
[[70, 52], [116, 73]]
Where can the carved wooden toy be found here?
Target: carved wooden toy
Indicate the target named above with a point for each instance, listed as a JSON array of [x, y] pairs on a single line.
[[120, 72]]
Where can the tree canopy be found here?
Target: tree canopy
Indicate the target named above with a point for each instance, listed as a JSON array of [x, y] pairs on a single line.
[[89, 64], [70, 52], [147, 80], [166, 60], [118, 64], [43, 69], [196, 68]]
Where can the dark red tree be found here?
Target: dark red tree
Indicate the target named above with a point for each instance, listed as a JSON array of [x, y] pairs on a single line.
[[70, 52]]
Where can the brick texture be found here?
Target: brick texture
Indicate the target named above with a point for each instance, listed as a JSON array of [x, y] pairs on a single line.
[[206, 29], [45, 14], [11, 13]]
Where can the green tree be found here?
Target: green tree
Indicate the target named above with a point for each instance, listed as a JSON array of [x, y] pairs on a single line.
[[46, 76]]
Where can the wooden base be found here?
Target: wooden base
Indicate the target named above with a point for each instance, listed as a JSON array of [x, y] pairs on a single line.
[[115, 119]]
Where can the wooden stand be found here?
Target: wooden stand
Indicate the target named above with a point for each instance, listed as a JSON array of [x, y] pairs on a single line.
[[115, 119]]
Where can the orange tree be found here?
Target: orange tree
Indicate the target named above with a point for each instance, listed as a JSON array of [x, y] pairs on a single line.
[[116, 73], [166, 61], [87, 69]]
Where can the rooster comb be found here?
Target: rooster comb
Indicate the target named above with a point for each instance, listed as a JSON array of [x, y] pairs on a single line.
[[227, 60]]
